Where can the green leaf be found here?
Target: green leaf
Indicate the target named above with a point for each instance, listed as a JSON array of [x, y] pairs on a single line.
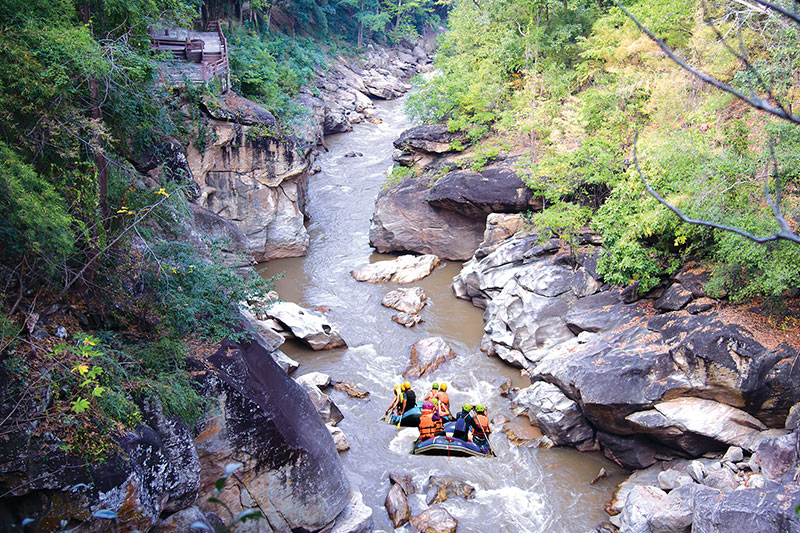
[[80, 405]]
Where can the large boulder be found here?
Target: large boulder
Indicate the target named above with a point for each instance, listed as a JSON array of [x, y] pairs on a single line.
[[439, 489], [355, 518], [431, 138], [404, 269], [290, 468], [309, 326], [327, 409], [404, 221], [427, 355], [495, 189], [557, 416]]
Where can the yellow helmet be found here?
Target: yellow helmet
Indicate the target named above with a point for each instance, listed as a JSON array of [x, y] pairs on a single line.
[[442, 387], [406, 385]]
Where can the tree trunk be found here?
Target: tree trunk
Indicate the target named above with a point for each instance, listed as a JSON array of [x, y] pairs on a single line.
[[360, 34], [399, 11]]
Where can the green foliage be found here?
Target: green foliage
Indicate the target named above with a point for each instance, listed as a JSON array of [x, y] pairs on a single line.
[[271, 68], [398, 175]]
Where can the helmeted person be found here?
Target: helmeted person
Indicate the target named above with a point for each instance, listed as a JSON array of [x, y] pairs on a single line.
[[444, 401], [397, 401], [433, 392], [410, 400], [463, 421], [480, 426], [430, 423]]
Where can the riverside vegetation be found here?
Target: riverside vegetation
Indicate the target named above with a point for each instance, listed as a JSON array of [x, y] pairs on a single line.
[[568, 85], [106, 291]]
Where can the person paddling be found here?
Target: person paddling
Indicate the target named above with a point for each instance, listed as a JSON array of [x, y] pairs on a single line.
[[410, 400], [444, 402], [430, 423], [480, 427], [397, 401], [433, 392], [463, 420]]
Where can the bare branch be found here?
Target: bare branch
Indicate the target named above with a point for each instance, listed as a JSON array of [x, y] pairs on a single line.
[[785, 232], [775, 7], [758, 103]]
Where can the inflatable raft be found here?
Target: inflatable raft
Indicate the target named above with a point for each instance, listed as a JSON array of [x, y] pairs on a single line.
[[448, 446], [410, 418]]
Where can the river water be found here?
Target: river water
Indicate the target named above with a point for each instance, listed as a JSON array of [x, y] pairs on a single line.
[[524, 489]]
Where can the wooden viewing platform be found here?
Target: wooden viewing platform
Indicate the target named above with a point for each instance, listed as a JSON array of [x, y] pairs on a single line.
[[200, 56]]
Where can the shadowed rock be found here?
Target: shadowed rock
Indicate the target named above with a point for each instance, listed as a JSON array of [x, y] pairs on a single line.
[[434, 519], [396, 505]]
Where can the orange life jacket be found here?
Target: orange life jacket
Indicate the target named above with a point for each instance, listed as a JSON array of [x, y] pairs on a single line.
[[427, 426], [481, 428], [444, 399]]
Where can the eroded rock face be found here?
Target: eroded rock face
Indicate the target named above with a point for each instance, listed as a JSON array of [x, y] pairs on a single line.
[[404, 269], [291, 471], [252, 176], [649, 380], [404, 221], [427, 355], [556, 415], [431, 138]]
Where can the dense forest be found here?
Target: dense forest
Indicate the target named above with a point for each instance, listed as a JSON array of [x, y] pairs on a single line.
[[570, 85]]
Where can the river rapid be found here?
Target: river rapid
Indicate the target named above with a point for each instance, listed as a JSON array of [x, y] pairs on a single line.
[[524, 489]]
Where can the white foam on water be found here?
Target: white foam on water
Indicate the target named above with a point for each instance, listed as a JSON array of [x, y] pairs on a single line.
[[404, 440]]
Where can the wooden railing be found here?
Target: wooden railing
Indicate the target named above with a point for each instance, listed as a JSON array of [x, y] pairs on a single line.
[[212, 64]]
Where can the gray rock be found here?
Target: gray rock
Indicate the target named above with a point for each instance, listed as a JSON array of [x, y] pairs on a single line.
[[432, 138], [355, 518], [671, 479], [645, 477], [339, 438], [777, 455], [396, 505], [793, 419], [769, 509], [317, 379], [405, 481], [640, 505], [309, 326], [408, 320], [557, 416], [734, 454], [697, 471], [674, 298], [722, 479], [404, 269], [408, 300], [434, 519], [404, 221], [326, 408], [495, 189], [427, 355]]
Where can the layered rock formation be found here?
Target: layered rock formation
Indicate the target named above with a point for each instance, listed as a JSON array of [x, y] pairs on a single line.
[[641, 380], [443, 211]]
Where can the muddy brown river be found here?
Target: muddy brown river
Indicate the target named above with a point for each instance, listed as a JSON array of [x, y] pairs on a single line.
[[524, 489]]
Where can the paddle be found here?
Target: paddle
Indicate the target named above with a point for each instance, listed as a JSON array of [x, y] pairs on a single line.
[[488, 444]]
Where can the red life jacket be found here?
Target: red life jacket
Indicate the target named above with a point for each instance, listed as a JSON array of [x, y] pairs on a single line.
[[481, 428], [427, 426]]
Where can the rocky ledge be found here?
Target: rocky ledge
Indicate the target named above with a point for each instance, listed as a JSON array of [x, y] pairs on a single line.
[[672, 374], [443, 210]]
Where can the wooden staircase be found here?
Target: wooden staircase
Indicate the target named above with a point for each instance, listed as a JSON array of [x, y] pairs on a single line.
[[197, 56]]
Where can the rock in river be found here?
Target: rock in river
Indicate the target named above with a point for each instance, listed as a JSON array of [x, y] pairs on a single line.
[[427, 355], [439, 489], [407, 319], [404, 269], [556, 415], [327, 410], [434, 519], [396, 505], [309, 326], [404, 221], [410, 300]]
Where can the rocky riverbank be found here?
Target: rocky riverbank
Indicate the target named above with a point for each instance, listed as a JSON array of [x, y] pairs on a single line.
[[672, 374]]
